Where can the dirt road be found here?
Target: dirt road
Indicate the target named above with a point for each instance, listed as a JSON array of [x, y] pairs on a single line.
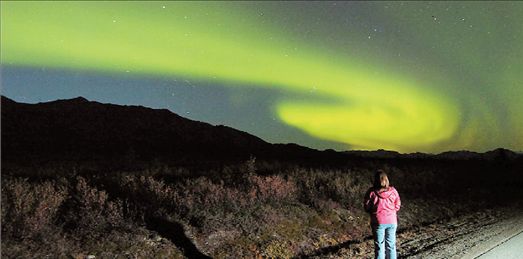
[[486, 234], [466, 237], [511, 248]]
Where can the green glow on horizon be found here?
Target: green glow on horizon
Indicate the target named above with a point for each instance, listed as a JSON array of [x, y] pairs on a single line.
[[214, 41]]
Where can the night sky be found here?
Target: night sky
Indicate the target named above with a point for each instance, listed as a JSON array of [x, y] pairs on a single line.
[[404, 76]]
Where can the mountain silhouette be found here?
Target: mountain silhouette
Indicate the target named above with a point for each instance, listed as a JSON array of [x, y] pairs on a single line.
[[78, 129], [81, 130]]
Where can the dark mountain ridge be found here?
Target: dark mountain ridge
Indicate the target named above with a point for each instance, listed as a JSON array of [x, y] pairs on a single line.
[[81, 130], [78, 129]]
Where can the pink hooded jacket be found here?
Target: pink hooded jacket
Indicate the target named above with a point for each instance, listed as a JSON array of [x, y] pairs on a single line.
[[382, 205]]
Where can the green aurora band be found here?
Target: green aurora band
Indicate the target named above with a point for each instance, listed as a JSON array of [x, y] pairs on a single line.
[[358, 101]]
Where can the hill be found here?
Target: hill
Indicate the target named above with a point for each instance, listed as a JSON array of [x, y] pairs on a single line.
[[79, 130]]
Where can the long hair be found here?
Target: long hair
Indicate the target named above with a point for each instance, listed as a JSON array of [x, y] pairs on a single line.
[[381, 181]]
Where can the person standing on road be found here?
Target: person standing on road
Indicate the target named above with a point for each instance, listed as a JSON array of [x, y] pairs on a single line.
[[382, 201]]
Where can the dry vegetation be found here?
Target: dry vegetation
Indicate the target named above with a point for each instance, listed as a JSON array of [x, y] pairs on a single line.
[[247, 210]]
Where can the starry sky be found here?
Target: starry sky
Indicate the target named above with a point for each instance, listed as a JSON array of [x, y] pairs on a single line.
[[403, 76]]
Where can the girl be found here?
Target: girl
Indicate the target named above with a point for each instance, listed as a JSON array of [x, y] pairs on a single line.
[[382, 202]]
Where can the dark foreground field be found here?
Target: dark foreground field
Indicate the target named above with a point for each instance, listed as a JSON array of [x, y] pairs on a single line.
[[83, 179], [251, 209]]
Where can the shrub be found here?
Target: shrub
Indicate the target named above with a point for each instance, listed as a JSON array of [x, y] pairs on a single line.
[[29, 208], [149, 192], [271, 188], [92, 210]]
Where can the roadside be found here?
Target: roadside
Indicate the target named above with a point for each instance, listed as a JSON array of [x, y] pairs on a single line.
[[468, 236]]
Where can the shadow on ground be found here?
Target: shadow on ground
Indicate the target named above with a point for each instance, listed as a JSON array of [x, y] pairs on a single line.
[[175, 232], [334, 249]]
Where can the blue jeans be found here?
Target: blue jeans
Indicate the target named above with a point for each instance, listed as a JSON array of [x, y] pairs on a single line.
[[384, 241]]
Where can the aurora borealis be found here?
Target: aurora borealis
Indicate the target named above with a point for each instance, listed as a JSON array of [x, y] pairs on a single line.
[[405, 76]]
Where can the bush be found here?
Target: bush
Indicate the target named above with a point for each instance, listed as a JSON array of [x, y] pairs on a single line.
[[91, 210], [271, 188], [28, 209]]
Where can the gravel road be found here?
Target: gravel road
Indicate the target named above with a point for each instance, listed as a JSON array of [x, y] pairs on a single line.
[[511, 248], [467, 237], [496, 233]]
